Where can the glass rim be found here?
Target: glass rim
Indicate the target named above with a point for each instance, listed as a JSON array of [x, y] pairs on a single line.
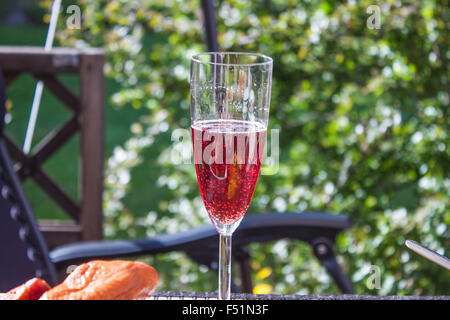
[[268, 59]]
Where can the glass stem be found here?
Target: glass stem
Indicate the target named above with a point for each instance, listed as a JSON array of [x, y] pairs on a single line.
[[224, 267]]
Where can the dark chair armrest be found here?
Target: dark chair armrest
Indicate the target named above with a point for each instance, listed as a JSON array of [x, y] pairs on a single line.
[[108, 249], [308, 227], [202, 242]]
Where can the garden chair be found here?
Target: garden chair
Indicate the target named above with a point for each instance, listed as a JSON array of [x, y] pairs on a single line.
[[24, 253]]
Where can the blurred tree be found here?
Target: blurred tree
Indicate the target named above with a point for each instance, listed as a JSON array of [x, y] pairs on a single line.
[[363, 115]]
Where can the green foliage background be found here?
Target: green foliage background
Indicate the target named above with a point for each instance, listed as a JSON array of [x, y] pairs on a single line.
[[364, 127]]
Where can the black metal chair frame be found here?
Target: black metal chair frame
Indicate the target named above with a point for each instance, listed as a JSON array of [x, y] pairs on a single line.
[[24, 253]]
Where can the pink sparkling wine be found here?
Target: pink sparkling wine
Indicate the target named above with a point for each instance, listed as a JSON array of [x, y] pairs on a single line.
[[228, 156]]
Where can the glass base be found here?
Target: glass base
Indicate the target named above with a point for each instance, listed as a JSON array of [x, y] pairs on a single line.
[[225, 229]]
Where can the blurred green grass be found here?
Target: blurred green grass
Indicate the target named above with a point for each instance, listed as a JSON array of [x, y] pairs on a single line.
[[63, 166]]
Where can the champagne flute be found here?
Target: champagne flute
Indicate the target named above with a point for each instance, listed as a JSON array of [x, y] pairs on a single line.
[[230, 102]]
